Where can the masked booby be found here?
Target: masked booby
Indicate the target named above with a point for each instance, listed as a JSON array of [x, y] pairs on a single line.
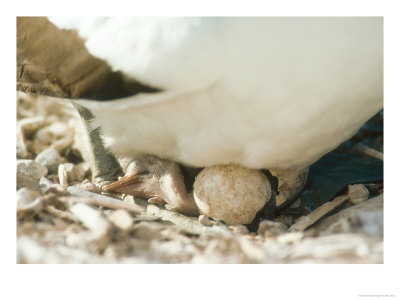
[[263, 93]]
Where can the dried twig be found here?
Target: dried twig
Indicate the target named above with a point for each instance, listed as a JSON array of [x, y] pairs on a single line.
[[306, 221], [188, 224], [364, 149], [101, 200], [61, 214]]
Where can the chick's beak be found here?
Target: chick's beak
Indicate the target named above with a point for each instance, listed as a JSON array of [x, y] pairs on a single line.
[[138, 184]]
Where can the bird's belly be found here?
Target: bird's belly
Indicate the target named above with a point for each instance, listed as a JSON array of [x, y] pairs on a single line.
[[205, 129], [277, 96]]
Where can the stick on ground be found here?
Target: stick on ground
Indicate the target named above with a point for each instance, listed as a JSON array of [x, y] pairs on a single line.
[[102, 200], [306, 221]]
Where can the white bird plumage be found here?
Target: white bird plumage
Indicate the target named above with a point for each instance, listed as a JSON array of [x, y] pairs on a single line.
[[259, 92]]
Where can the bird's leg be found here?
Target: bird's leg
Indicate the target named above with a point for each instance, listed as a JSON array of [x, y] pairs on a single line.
[[154, 178], [105, 167]]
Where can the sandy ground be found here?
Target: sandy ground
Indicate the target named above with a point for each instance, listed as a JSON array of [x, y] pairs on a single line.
[[63, 218]]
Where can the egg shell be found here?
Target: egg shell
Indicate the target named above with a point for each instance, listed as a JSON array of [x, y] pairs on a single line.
[[231, 193]]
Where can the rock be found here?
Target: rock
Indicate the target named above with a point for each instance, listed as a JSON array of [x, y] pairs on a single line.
[[82, 170], [148, 230], [205, 220], [66, 173], [285, 219], [268, 228], [365, 217], [371, 222], [357, 193], [92, 219], [31, 168], [49, 158], [51, 133], [76, 240], [87, 185], [290, 238], [22, 147], [29, 125], [338, 248], [48, 187], [24, 180], [231, 193], [28, 202], [64, 143], [239, 229], [26, 196], [29, 251], [121, 218]]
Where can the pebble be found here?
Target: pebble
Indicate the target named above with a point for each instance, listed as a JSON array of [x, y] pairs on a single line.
[[48, 187], [51, 133], [239, 229], [66, 173], [31, 168], [64, 143], [82, 170], [28, 202], [30, 251], [24, 180], [87, 185], [30, 125], [76, 240], [290, 238], [22, 147], [371, 222], [92, 219], [268, 228], [149, 230], [49, 158], [26, 196], [357, 193], [205, 220], [121, 218]]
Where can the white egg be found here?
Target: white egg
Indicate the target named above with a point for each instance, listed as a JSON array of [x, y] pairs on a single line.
[[231, 193]]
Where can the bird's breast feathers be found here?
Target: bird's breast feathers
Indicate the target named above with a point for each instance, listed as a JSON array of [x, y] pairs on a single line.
[[260, 92]]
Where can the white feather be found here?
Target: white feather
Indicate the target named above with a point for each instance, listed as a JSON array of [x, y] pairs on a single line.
[[259, 92]]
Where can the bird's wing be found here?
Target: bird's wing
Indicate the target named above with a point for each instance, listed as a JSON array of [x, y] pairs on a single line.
[[170, 53], [55, 62], [109, 58]]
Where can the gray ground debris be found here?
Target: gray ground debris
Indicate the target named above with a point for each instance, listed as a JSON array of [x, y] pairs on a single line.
[[204, 220], [270, 228], [25, 180], [49, 158], [29, 173], [306, 221], [121, 218], [25, 197], [92, 219], [31, 168], [239, 229], [63, 218], [357, 193], [366, 217], [29, 203]]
